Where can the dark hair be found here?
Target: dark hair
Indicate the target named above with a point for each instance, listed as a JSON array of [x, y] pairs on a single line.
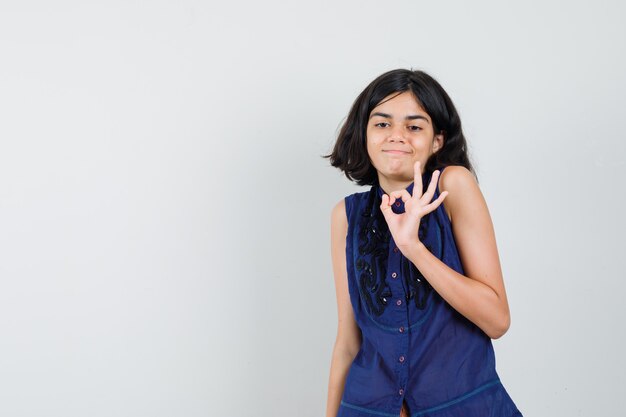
[[350, 150]]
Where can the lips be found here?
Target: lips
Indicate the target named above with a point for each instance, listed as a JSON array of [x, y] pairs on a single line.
[[395, 151]]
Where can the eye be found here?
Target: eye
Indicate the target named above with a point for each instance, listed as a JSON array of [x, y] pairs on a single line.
[[412, 128]]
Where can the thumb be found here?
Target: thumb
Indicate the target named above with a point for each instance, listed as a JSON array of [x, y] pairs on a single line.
[[385, 207]]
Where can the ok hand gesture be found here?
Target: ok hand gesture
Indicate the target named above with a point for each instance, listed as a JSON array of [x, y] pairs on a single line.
[[404, 226]]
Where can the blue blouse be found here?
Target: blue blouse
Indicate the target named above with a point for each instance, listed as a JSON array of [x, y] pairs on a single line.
[[416, 348]]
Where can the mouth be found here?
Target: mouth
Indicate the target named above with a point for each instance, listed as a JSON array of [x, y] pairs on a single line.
[[396, 152]]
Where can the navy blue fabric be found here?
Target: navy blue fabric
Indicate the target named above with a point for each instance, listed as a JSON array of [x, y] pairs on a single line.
[[415, 347]]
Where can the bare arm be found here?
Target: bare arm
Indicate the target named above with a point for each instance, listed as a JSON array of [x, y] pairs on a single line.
[[348, 340], [480, 296]]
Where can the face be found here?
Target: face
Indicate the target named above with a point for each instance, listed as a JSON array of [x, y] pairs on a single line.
[[399, 133]]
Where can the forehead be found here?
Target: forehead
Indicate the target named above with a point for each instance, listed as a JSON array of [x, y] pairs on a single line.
[[399, 105]]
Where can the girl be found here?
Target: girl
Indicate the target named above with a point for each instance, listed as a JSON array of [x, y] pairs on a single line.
[[420, 293]]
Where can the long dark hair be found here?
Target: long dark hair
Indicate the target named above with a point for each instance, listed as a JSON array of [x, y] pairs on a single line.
[[350, 150]]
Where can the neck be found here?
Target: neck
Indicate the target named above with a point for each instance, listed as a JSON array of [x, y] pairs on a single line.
[[389, 184]]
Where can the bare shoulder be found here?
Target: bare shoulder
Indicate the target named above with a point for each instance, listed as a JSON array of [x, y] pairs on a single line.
[[348, 339], [461, 186], [338, 217]]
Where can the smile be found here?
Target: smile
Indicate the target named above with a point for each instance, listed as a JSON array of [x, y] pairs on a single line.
[[397, 152]]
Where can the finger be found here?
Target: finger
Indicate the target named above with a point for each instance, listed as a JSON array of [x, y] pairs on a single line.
[[385, 207], [417, 179], [430, 191], [402, 194], [432, 206]]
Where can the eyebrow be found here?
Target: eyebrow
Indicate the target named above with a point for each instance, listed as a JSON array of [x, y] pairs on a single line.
[[409, 117]]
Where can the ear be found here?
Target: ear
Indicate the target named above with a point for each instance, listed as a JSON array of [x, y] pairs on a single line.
[[438, 141]]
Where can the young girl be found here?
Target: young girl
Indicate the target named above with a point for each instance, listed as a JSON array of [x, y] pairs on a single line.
[[420, 292]]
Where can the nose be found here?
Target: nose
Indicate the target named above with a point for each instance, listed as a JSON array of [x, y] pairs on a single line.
[[396, 133]]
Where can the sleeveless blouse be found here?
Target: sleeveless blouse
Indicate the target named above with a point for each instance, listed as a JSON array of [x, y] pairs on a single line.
[[416, 348]]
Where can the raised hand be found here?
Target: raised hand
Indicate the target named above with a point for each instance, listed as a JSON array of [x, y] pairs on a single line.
[[404, 226]]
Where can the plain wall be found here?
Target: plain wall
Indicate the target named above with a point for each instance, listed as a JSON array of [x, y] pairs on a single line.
[[165, 210]]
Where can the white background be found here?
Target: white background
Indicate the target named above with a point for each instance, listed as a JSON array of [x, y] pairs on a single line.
[[165, 212]]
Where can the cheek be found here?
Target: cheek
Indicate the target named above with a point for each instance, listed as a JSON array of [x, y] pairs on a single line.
[[373, 139], [370, 140], [371, 148]]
